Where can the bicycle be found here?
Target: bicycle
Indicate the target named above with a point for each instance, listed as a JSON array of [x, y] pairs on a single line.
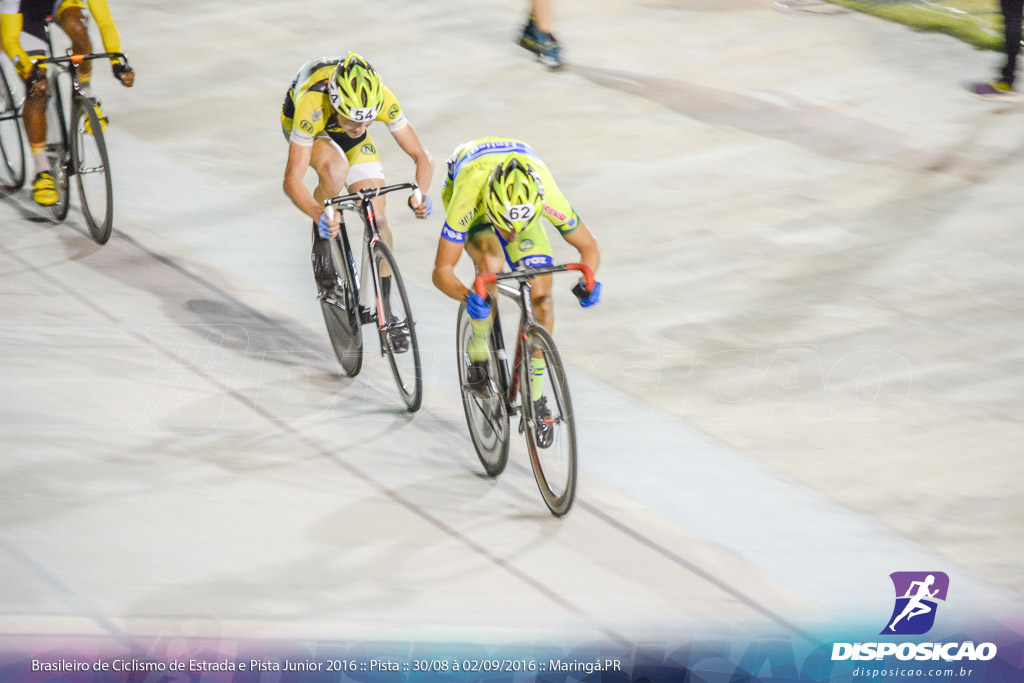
[[550, 438], [86, 155], [342, 306]]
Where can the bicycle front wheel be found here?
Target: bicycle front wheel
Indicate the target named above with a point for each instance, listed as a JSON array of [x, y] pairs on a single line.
[[486, 414], [340, 307], [550, 424], [91, 168], [12, 141], [397, 329]]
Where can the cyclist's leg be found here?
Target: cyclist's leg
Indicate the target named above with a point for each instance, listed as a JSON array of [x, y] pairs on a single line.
[[485, 249], [533, 249], [33, 41], [331, 166], [365, 171], [331, 169], [70, 16]]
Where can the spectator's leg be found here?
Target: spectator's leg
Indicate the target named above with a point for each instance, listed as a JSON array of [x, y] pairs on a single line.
[[1013, 15], [543, 17]]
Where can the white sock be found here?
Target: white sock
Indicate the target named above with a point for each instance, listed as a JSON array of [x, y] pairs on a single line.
[[41, 161]]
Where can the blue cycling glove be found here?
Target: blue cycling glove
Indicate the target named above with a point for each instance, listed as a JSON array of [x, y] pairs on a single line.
[[477, 306], [430, 205], [322, 227], [587, 297]]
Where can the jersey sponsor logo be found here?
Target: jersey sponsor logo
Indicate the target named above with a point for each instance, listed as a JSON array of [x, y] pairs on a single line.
[[525, 245], [555, 213], [452, 235], [466, 220], [368, 149], [306, 126], [317, 114], [393, 112], [535, 261]]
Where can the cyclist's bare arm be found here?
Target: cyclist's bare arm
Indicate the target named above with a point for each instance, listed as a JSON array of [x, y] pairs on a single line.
[[294, 185], [410, 143], [586, 244], [448, 254]]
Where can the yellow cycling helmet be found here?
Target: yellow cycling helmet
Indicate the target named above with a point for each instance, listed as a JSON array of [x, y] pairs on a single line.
[[515, 196], [355, 89]]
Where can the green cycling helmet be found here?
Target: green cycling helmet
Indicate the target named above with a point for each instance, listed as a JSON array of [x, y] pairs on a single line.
[[355, 89], [515, 196]]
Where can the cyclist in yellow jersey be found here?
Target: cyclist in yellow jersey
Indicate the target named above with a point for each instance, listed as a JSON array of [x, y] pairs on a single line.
[[23, 31], [326, 116], [494, 195]]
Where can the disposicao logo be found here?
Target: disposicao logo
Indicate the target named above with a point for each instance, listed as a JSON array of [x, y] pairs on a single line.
[[917, 598]]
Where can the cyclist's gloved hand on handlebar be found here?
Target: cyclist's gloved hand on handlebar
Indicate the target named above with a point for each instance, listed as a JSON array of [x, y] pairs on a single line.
[[477, 306], [587, 297], [325, 225], [424, 208], [123, 73]]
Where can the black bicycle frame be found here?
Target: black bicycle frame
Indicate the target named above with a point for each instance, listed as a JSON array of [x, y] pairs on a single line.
[[526, 318], [371, 234], [76, 87]]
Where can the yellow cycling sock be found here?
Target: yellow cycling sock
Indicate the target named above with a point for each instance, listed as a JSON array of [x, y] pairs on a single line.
[[538, 366], [478, 350]]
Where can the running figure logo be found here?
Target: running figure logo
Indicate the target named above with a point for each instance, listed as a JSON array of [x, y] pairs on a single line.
[[916, 595]]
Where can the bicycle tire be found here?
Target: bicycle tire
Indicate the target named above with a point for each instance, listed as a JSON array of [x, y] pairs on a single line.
[[12, 140], [341, 316], [405, 325], [88, 160], [487, 418], [557, 488]]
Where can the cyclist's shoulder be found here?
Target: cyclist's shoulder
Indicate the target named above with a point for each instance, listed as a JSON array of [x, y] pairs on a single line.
[[390, 107]]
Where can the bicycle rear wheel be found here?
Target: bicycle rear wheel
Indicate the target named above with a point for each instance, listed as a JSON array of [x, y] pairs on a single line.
[[486, 416], [550, 425], [91, 168], [341, 315], [398, 331], [12, 140]]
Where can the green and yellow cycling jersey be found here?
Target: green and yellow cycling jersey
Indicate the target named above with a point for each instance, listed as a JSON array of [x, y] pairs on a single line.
[[463, 197], [307, 112]]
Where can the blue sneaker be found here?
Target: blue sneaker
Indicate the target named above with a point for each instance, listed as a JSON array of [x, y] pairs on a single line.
[[550, 53], [530, 37]]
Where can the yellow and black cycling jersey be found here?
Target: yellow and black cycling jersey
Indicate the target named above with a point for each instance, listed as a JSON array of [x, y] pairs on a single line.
[[307, 112], [28, 18], [463, 197]]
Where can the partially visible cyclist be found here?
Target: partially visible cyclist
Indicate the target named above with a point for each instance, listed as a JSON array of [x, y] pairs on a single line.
[[494, 195], [23, 31], [326, 118]]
